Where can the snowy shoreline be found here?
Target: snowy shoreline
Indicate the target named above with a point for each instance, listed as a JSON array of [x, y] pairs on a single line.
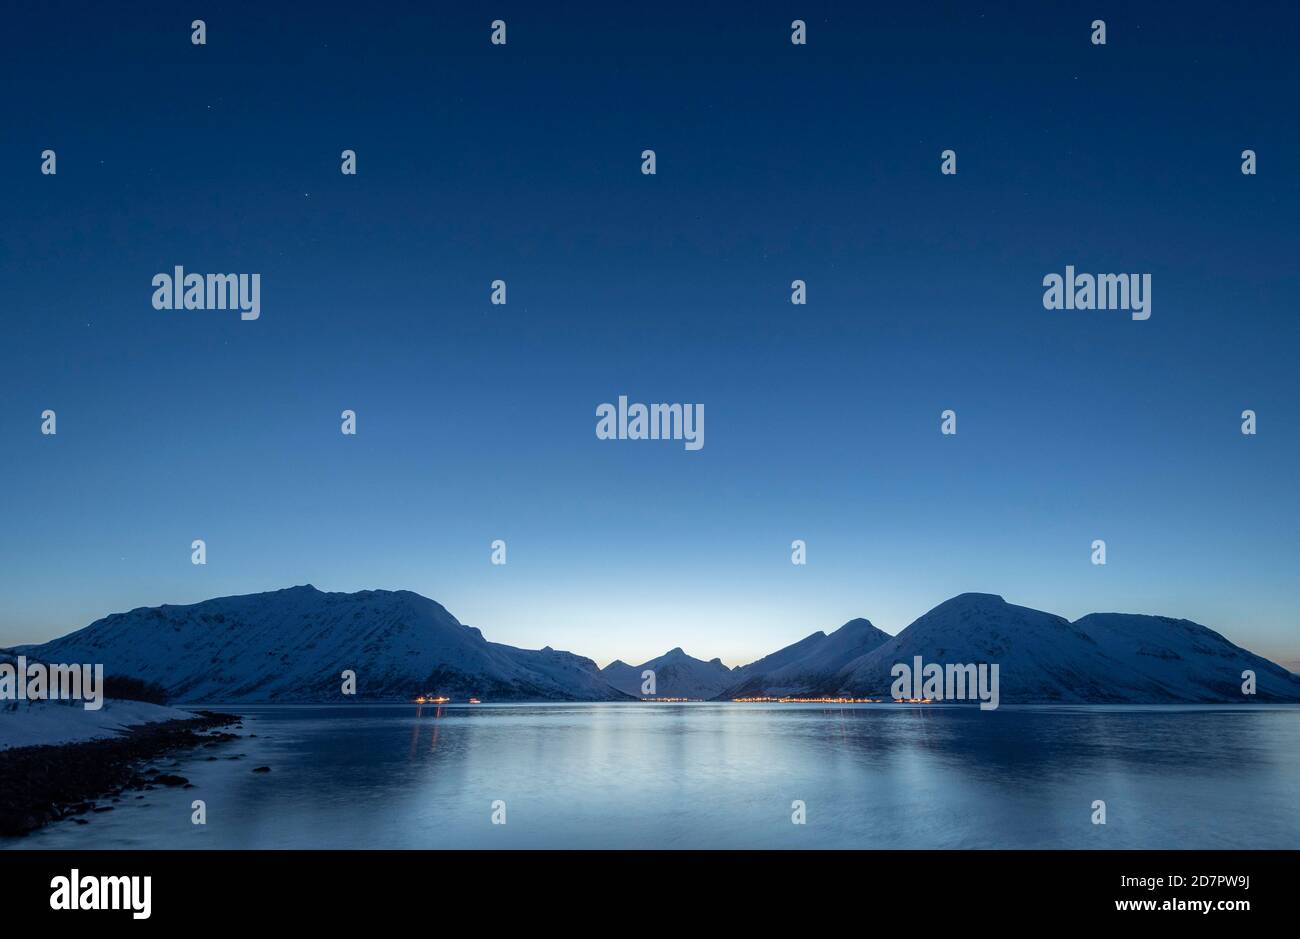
[[49, 777], [46, 723]]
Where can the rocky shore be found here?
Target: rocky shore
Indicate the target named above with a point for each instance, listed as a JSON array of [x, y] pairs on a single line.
[[47, 783]]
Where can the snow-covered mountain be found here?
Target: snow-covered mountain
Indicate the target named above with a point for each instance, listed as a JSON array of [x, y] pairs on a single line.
[[1100, 658], [292, 645], [806, 666], [1185, 660], [677, 675]]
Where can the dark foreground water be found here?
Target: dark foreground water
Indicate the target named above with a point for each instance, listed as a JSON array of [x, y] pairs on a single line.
[[724, 776]]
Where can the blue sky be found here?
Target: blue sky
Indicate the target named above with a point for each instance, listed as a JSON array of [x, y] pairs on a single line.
[[775, 162]]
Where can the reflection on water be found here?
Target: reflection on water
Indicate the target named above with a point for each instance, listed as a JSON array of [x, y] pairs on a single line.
[[724, 776]]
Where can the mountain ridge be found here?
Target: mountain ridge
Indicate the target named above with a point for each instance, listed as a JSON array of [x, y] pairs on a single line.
[[1097, 659], [802, 668], [294, 644], [677, 675]]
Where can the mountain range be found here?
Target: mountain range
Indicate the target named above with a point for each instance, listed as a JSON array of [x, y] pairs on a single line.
[[293, 645], [677, 675], [810, 666], [1100, 658]]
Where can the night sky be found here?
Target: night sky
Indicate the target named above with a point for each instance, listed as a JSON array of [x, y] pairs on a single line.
[[774, 162]]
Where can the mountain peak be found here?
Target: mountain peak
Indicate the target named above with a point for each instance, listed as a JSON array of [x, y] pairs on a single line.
[[978, 599], [284, 645], [979, 602], [678, 674]]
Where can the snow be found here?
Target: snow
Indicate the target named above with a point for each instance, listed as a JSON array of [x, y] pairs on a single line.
[[806, 667], [1100, 658], [36, 723], [677, 675], [293, 646]]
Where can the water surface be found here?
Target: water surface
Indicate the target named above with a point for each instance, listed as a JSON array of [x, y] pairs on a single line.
[[877, 777]]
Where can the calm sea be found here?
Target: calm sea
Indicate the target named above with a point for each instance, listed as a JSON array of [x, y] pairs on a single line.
[[877, 777]]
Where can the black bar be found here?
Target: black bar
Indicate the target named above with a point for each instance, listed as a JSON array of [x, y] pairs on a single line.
[[486, 890]]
